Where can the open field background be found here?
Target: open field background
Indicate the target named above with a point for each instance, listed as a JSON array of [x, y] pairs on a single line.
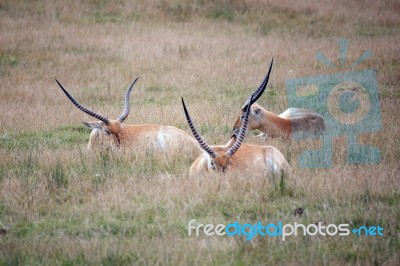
[[63, 205]]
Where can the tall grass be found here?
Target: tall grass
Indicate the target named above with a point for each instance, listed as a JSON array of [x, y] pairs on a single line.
[[63, 204]]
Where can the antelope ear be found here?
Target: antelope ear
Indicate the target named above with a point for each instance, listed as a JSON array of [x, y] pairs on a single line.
[[93, 125], [257, 111], [231, 141]]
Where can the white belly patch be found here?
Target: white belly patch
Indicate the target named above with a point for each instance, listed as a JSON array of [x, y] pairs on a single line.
[[162, 143]]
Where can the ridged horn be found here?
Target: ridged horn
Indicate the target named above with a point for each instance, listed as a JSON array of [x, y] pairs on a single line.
[[125, 113], [259, 91], [242, 131], [83, 108], [196, 134]]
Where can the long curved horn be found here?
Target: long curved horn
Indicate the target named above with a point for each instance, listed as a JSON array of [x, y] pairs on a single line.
[[83, 108], [196, 135], [242, 131], [125, 113], [259, 91]]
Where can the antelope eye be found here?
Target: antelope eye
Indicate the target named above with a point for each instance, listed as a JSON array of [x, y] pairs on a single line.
[[212, 164], [107, 132]]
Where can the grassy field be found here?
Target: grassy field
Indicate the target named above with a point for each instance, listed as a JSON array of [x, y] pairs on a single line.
[[61, 204]]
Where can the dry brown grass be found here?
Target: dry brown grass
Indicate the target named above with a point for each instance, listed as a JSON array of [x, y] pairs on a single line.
[[64, 205]]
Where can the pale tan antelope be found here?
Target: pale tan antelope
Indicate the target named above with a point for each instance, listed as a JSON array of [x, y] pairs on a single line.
[[283, 125], [115, 133], [236, 155]]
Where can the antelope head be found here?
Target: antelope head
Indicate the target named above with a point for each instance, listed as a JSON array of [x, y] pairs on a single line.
[[219, 157], [105, 131], [256, 110]]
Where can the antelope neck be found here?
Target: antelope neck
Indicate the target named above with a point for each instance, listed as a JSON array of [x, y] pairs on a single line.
[[275, 125]]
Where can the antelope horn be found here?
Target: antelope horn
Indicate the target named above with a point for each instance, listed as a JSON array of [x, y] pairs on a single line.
[[242, 131], [197, 136], [83, 108], [125, 114], [258, 92]]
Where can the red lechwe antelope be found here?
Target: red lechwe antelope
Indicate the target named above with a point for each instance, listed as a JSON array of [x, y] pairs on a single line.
[[236, 155], [115, 133], [283, 125]]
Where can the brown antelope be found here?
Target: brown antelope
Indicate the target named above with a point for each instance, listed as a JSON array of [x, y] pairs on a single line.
[[235, 155], [115, 133], [283, 125]]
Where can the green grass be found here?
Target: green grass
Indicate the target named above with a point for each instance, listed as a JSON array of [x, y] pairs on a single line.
[[7, 61], [53, 139]]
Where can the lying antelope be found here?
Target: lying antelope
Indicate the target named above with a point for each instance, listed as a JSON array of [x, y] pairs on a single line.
[[115, 133], [283, 125], [236, 155]]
